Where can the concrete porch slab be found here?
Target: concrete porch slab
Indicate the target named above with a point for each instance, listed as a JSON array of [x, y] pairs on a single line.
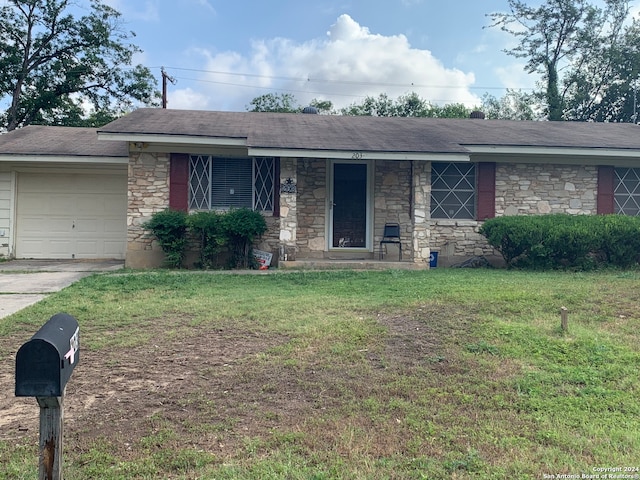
[[324, 264]]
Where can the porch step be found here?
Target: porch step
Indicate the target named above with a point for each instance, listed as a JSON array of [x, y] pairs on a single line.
[[324, 264]]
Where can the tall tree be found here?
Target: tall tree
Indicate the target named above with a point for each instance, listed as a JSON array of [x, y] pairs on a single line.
[[56, 68], [560, 34], [604, 86]]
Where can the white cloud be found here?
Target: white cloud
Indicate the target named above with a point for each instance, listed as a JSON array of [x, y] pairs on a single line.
[[188, 99], [348, 65], [515, 77]]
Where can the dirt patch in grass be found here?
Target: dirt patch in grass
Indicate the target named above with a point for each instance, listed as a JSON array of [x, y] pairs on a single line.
[[170, 383], [215, 388]]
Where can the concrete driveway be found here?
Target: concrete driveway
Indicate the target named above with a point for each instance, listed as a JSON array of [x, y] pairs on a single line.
[[25, 282]]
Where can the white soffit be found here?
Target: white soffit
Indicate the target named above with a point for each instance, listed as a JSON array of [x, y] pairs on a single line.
[[24, 158], [553, 151], [173, 139], [357, 155]]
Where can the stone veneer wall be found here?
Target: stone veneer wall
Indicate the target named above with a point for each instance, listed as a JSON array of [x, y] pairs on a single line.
[[392, 202], [525, 189], [287, 232], [311, 208], [148, 193], [456, 240], [422, 213], [521, 189]]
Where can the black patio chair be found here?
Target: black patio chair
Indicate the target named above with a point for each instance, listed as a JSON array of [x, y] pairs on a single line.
[[391, 234]]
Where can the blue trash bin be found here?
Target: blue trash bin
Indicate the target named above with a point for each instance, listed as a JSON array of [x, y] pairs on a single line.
[[433, 260]]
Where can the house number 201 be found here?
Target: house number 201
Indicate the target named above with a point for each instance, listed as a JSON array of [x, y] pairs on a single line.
[[357, 156]]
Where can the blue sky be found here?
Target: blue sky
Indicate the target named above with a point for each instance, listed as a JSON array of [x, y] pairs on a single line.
[[225, 53], [340, 50]]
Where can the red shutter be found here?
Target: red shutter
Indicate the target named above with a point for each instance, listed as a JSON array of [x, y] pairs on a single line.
[[606, 188], [179, 182], [486, 190]]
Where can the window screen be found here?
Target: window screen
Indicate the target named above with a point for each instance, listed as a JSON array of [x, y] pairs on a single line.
[[453, 190], [627, 191], [222, 183]]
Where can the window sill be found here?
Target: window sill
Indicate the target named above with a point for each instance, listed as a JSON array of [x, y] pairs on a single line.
[[450, 222]]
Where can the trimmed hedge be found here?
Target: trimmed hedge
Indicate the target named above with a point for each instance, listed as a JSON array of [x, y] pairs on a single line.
[[235, 230], [562, 241]]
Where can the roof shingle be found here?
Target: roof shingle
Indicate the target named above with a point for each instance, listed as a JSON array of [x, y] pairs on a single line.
[[384, 134], [59, 141]]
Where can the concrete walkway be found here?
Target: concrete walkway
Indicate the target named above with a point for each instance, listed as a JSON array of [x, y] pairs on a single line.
[[25, 282]]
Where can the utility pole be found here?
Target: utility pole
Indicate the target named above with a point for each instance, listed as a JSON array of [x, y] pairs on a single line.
[[635, 101], [165, 77]]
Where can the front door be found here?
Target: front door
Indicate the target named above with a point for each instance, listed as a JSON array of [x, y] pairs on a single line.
[[350, 205]]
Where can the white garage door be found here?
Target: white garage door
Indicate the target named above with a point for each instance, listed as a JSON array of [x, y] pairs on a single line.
[[71, 215]]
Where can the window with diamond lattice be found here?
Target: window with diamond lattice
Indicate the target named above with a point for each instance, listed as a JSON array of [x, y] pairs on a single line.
[[222, 183], [453, 190], [627, 191]]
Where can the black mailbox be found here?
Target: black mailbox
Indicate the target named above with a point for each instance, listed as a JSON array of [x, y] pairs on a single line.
[[44, 364]]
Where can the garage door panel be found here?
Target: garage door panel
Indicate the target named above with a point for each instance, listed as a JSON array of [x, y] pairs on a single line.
[[71, 216], [112, 227], [62, 203], [89, 226], [84, 248], [48, 203], [31, 224], [59, 225], [58, 247], [32, 248]]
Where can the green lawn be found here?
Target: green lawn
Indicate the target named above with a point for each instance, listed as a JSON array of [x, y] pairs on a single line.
[[446, 373]]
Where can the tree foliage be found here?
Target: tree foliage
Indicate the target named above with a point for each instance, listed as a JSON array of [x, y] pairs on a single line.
[[513, 105], [60, 69], [581, 50], [286, 103], [603, 84], [409, 105], [274, 102]]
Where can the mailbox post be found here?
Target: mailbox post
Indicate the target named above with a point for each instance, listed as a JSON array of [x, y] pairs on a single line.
[[43, 367]]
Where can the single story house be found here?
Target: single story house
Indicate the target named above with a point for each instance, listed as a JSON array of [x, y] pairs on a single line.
[[326, 184]]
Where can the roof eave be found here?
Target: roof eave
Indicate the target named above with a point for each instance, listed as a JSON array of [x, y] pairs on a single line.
[[85, 159], [358, 155], [553, 151], [173, 139]]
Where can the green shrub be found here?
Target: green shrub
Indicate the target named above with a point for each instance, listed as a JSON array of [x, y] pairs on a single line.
[[579, 242], [621, 240], [170, 228], [241, 227], [235, 230], [208, 227]]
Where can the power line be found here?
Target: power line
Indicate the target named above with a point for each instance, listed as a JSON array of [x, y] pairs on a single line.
[[327, 81], [289, 90]]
